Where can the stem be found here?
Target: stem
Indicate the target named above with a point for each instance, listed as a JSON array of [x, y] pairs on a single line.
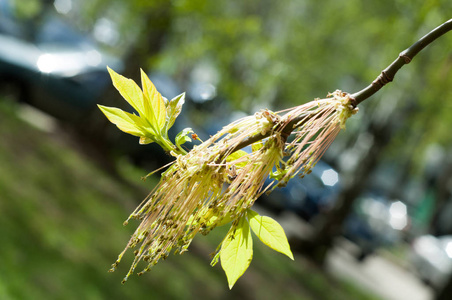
[[405, 57], [168, 146]]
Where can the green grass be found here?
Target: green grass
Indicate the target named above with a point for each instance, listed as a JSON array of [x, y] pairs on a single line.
[[61, 228]]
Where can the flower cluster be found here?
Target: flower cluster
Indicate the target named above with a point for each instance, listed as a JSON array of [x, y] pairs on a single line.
[[216, 182], [205, 188]]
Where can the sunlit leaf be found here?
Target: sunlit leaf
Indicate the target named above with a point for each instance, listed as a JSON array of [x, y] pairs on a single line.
[[125, 121], [182, 137], [129, 90], [226, 219], [237, 252], [269, 232], [215, 259], [256, 146], [154, 105], [236, 156], [173, 109]]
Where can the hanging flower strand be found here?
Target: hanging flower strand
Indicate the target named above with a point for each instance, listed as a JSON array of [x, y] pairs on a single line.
[[323, 119]]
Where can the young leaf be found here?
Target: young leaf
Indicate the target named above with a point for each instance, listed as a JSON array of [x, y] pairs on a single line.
[[154, 105], [125, 121], [237, 155], [269, 232], [129, 90], [226, 219], [173, 109], [237, 251], [256, 146], [182, 137]]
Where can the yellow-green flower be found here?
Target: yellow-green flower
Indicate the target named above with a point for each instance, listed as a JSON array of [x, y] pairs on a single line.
[[216, 182]]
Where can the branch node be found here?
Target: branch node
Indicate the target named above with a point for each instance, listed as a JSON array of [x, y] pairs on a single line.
[[353, 101], [381, 80], [405, 58]]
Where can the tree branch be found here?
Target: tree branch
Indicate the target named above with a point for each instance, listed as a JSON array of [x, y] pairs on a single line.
[[405, 57]]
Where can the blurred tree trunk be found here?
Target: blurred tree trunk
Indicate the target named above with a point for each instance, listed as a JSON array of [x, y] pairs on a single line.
[[442, 186], [157, 19], [406, 167]]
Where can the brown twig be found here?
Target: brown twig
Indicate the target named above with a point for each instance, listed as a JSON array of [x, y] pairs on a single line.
[[405, 57]]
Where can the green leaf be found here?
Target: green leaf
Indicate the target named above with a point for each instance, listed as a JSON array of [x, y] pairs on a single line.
[[154, 105], [182, 137], [256, 146], [226, 219], [215, 259], [269, 232], [173, 109], [129, 90], [237, 251], [237, 155], [125, 121]]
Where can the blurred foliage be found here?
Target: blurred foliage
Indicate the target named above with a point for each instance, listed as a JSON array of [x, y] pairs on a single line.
[[28, 8], [288, 52], [58, 230]]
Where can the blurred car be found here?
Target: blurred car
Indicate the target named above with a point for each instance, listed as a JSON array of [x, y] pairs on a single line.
[[431, 259], [306, 197], [51, 65], [375, 222]]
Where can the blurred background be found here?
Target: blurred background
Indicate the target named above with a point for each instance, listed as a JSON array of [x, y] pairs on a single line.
[[373, 220]]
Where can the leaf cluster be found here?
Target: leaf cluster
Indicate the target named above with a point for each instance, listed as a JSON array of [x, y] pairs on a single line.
[[156, 115], [237, 248]]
